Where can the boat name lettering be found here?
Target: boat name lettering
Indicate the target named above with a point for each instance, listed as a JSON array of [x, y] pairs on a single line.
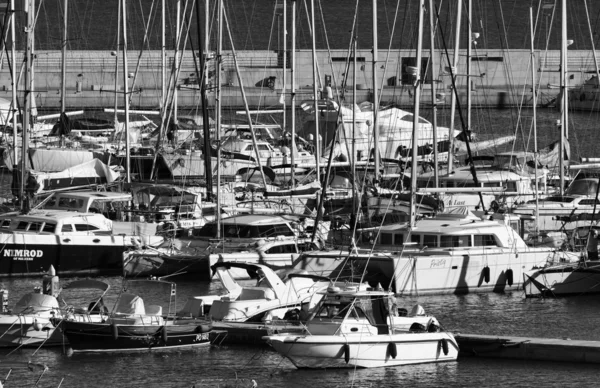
[[438, 263], [23, 254]]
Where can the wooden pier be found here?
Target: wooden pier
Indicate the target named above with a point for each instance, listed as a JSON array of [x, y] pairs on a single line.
[[529, 348]]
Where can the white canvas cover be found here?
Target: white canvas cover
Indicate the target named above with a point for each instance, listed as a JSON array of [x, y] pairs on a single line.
[[130, 304], [34, 302], [91, 169]]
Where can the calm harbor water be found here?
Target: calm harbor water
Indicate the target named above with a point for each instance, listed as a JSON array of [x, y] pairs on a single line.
[[501, 314]]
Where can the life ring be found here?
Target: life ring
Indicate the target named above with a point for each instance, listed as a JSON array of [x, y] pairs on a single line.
[[168, 229], [392, 350], [494, 206]]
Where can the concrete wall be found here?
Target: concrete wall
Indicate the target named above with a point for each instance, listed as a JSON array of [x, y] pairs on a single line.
[[90, 76]]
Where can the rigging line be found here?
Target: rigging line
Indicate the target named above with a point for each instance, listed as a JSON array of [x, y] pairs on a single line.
[[387, 57], [312, 30], [264, 75], [462, 121], [144, 43]]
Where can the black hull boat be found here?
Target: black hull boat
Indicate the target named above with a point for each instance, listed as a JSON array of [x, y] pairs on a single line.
[[113, 337]]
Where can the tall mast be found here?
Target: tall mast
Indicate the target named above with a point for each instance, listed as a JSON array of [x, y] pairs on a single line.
[[416, 124], [352, 158], [13, 81], [564, 128], [218, 108], [375, 94], [203, 54], [176, 58], [436, 180], [163, 52], [283, 93], [293, 96], [63, 83], [454, 66], [116, 119], [469, 55], [27, 122], [315, 93], [534, 102], [126, 94]]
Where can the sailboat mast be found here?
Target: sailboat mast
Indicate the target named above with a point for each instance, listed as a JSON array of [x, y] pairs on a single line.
[[375, 94], [63, 83], [534, 107], [13, 81], [416, 124], [176, 59], [163, 52], [115, 118], [284, 88], [126, 95], [30, 10], [315, 93], [218, 59], [564, 128], [353, 156], [293, 95], [469, 55], [203, 54], [436, 179], [454, 66]]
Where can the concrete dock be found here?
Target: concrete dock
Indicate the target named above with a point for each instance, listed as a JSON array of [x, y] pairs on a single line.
[[529, 348]]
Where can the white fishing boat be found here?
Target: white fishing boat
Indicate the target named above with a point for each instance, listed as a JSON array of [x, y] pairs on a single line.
[[363, 329]]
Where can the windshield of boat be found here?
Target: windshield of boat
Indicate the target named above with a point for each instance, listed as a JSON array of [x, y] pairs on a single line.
[[558, 199], [245, 231], [509, 162], [586, 187]]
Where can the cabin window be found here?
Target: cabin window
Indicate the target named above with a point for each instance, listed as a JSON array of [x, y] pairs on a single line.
[[67, 228], [85, 227], [237, 231], [274, 230], [399, 239], [415, 238], [263, 147], [22, 225], [5, 223], [51, 203], [49, 228], [430, 240], [454, 241], [485, 240], [287, 248], [208, 211], [333, 310], [386, 238], [511, 186], [36, 227]]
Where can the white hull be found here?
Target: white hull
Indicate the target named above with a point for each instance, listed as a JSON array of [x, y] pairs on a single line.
[[28, 330], [563, 280], [321, 352], [441, 272]]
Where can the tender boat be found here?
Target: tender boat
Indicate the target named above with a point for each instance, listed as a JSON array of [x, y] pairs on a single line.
[[136, 326], [74, 243], [354, 328]]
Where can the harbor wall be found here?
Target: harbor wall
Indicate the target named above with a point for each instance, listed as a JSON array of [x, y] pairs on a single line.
[[500, 78]]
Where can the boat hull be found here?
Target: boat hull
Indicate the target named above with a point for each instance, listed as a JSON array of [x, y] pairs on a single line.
[[321, 352], [28, 331], [562, 280], [31, 254], [105, 337], [429, 273]]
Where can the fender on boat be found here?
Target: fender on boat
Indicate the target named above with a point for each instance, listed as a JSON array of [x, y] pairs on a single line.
[[115, 331], [509, 277], [444, 345], [164, 334], [392, 350], [347, 353], [486, 274]]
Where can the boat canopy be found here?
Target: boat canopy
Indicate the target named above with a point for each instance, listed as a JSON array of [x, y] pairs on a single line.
[[88, 283], [34, 302]]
